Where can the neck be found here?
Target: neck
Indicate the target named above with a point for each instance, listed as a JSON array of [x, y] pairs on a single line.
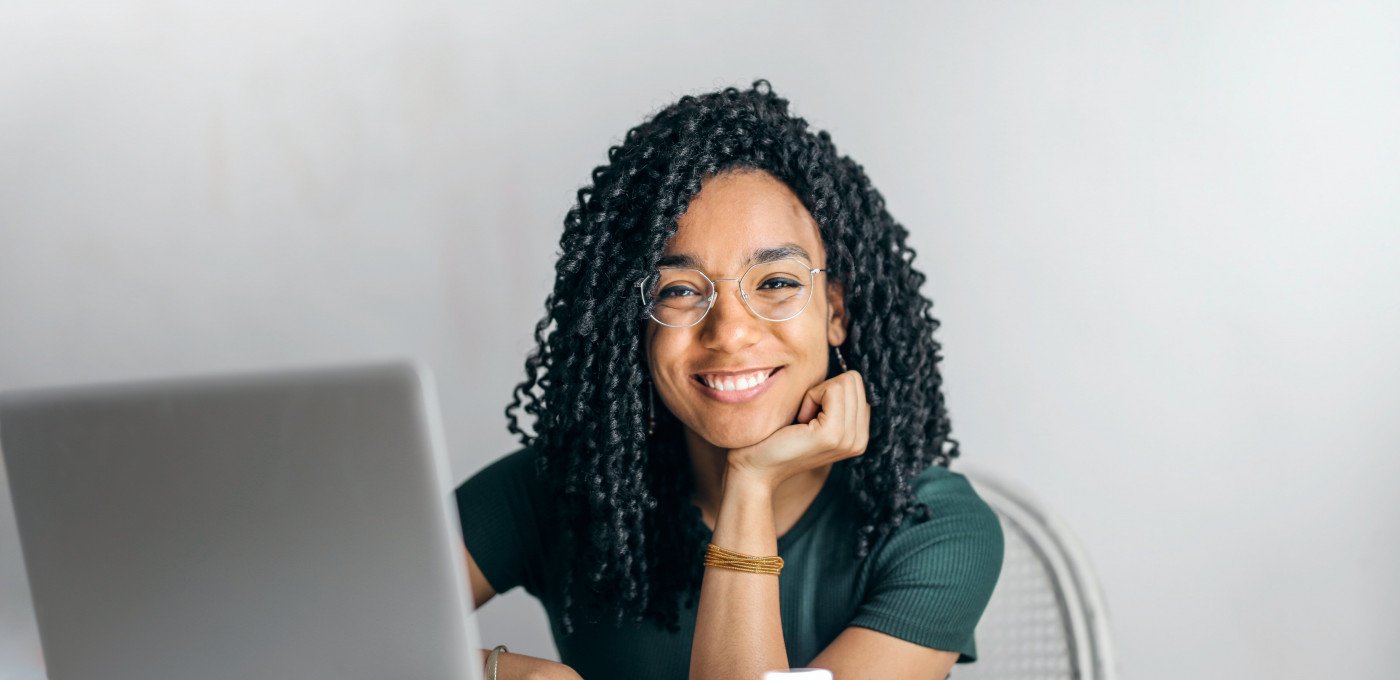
[[710, 463]]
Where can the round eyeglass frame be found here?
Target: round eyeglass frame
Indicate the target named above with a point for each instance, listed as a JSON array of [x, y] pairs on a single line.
[[744, 296]]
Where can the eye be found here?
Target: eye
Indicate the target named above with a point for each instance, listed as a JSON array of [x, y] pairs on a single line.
[[676, 291], [779, 284]]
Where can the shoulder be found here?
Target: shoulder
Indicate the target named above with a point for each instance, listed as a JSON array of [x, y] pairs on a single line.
[[517, 461], [962, 532], [517, 468], [931, 580], [949, 492], [510, 484], [500, 508]]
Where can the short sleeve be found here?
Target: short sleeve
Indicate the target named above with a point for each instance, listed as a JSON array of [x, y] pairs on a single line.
[[930, 583], [499, 508]]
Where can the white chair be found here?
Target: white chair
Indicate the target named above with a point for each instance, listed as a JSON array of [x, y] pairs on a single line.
[[1047, 619]]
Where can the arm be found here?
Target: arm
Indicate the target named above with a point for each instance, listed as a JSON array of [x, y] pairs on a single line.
[[512, 666], [738, 607], [746, 522], [522, 667], [738, 624], [920, 605], [860, 653]]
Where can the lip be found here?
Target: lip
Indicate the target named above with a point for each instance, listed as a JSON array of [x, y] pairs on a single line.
[[734, 396]]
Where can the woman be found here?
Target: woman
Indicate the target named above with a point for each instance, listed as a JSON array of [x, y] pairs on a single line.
[[738, 461]]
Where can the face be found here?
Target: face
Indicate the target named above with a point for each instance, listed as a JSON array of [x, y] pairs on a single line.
[[734, 215]]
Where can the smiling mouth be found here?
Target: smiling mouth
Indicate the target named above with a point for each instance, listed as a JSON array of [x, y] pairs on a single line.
[[735, 388]]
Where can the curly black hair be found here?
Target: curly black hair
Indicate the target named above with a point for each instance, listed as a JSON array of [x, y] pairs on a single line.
[[625, 515]]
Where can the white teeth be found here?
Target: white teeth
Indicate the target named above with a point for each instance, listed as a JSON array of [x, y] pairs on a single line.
[[730, 383]]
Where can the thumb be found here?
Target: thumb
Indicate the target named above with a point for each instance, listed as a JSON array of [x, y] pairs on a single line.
[[810, 404]]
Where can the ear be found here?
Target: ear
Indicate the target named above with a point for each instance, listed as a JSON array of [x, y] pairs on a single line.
[[836, 319]]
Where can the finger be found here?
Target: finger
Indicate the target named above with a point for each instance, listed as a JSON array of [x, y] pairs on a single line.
[[832, 419], [853, 408], [863, 428], [858, 423], [811, 401], [808, 410], [839, 398], [865, 412]]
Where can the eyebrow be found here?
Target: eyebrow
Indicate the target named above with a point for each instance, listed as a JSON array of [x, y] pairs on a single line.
[[759, 256]]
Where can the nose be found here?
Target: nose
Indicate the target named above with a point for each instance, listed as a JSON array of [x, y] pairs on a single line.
[[729, 326]]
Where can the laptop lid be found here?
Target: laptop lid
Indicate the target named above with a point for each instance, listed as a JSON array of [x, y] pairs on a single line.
[[282, 524]]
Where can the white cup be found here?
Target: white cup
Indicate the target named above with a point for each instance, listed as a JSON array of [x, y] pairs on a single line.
[[799, 674]]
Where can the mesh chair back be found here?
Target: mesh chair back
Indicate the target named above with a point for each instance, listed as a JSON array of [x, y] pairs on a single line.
[[1046, 619]]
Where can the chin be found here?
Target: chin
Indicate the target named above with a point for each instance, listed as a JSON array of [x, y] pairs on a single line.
[[733, 442], [731, 438]]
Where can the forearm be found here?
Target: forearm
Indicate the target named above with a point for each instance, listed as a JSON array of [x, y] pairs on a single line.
[[738, 626], [522, 667]]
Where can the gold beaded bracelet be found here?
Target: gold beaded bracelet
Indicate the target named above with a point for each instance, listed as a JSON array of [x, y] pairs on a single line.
[[716, 556]]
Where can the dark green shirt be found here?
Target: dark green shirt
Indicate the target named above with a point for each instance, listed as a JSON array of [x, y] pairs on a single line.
[[926, 583]]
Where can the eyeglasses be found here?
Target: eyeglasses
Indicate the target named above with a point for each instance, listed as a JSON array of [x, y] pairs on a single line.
[[774, 291]]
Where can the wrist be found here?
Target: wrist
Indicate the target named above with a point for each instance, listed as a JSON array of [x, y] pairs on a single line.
[[745, 521], [743, 482], [555, 672]]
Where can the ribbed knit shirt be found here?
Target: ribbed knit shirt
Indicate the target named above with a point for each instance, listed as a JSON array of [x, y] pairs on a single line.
[[927, 583]]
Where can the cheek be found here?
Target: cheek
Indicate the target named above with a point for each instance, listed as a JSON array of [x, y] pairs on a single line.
[[810, 353], [663, 357], [658, 353]]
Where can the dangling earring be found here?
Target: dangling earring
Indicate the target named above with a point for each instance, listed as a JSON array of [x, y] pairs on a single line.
[[840, 359], [651, 410]]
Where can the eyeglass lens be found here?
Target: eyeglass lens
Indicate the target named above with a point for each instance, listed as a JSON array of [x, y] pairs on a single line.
[[776, 291]]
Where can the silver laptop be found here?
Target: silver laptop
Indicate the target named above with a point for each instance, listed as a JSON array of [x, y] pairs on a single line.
[[290, 524]]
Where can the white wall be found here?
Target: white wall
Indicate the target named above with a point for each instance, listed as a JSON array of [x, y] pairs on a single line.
[[1164, 242]]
